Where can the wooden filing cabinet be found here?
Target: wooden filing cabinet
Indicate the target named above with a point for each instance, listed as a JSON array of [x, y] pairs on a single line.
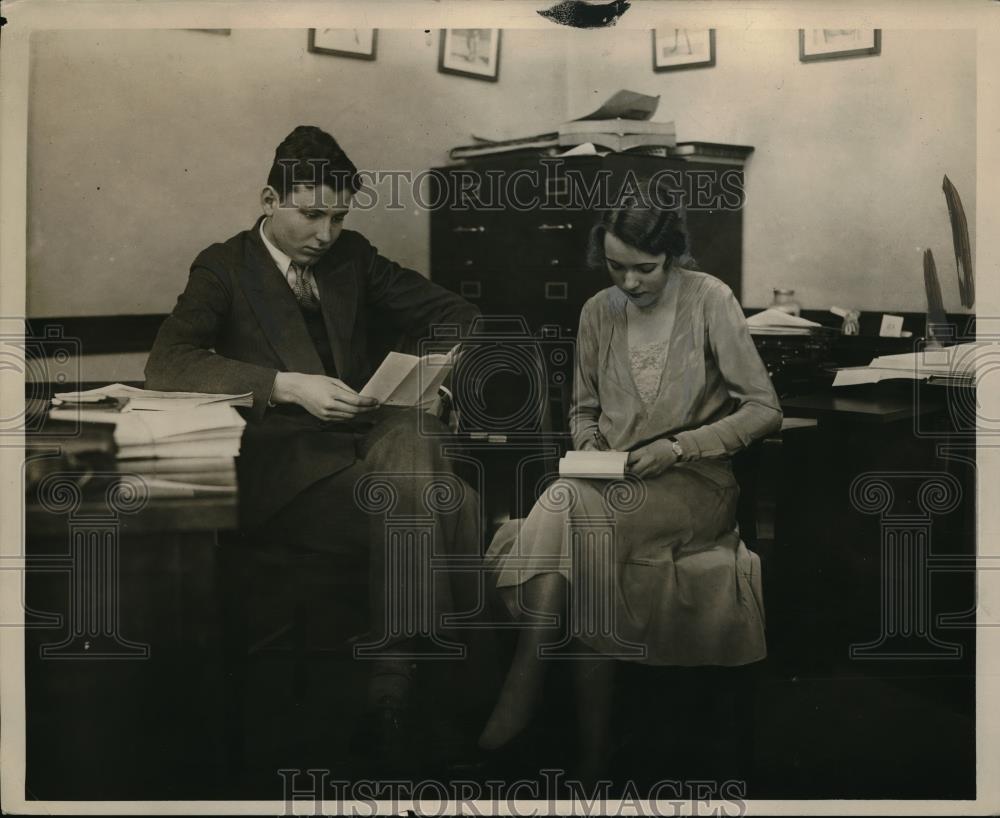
[[515, 243]]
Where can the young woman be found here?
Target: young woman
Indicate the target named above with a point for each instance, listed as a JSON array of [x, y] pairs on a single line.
[[666, 370]]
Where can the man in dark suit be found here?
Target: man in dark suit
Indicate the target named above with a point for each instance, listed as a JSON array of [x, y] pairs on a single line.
[[284, 310]]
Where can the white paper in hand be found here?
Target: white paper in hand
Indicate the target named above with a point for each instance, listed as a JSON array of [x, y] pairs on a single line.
[[406, 380]]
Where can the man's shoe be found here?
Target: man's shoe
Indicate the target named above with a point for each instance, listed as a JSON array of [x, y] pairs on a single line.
[[384, 737]]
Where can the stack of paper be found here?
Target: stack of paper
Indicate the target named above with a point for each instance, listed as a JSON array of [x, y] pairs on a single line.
[[131, 399], [173, 444], [211, 431], [178, 485], [778, 322], [620, 124], [956, 365], [618, 134], [181, 476], [538, 143]]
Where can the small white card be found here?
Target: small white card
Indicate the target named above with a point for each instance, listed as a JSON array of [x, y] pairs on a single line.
[[892, 326]]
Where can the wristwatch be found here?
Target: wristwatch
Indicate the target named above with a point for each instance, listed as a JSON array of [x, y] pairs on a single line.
[[676, 446]]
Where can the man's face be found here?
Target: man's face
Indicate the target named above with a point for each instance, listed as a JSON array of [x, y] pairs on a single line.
[[307, 223]]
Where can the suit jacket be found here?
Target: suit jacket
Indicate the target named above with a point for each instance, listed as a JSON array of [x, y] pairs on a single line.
[[237, 324]]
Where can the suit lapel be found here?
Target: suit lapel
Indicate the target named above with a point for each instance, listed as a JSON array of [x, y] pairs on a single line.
[[337, 279], [276, 309]]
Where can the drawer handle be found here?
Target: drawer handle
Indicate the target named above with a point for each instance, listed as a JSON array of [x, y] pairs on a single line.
[[475, 229], [553, 262], [468, 262], [566, 226]]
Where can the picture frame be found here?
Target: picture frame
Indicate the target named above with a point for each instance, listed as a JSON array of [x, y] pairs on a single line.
[[838, 43], [356, 43], [470, 52], [679, 49]]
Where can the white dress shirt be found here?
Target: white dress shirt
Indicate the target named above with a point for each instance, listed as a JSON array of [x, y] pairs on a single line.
[[284, 263], [284, 266]]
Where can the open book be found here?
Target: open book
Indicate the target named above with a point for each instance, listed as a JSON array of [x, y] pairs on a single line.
[[594, 465], [409, 380]]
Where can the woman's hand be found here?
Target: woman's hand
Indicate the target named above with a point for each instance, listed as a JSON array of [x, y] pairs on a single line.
[[651, 460]]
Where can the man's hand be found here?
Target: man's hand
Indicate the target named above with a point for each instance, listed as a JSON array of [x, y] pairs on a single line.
[[326, 398], [651, 460]]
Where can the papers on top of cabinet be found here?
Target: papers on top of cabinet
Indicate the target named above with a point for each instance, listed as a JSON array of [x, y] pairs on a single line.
[[625, 104]]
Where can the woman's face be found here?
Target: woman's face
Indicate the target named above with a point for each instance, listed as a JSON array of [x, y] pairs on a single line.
[[639, 275]]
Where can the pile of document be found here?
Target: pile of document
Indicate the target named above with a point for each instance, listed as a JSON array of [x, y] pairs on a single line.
[[778, 322], [132, 399], [180, 444], [953, 366], [622, 123]]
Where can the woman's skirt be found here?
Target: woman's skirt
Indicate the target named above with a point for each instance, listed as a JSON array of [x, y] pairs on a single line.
[[656, 569]]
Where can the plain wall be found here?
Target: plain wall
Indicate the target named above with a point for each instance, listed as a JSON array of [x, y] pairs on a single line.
[[844, 187], [146, 146]]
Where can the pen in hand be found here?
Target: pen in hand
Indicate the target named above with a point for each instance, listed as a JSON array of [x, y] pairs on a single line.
[[600, 441]]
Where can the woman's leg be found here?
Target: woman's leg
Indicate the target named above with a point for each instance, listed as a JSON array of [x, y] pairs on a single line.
[[594, 678], [544, 594]]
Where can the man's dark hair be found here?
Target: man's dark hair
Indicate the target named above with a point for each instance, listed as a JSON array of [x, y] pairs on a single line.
[[310, 156]]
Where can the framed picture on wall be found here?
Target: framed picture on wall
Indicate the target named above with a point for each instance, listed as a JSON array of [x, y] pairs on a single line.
[[358, 43], [837, 43], [470, 52], [675, 49]]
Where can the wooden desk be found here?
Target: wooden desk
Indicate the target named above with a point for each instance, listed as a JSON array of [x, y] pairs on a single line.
[[885, 473], [861, 407], [199, 515], [122, 650]]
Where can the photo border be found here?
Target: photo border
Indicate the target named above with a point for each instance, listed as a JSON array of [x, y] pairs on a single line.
[[444, 69], [337, 52], [872, 51], [659, 69]]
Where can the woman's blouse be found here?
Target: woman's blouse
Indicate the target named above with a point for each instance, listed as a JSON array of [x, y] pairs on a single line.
[[646, 362], [714, 394]]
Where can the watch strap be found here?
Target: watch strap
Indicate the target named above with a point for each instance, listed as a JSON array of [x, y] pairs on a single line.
[[676, 446]]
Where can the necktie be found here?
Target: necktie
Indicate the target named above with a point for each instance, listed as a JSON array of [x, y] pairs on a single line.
[[301, 280]]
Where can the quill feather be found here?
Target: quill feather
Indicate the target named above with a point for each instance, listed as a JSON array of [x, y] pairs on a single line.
[[935, 304], [963, 249]]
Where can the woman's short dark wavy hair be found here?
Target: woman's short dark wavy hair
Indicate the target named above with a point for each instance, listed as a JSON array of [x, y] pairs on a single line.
[[650, 216], [310, 156]]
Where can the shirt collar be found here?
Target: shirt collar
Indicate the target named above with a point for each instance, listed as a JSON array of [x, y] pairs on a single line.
[[283, 261]]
